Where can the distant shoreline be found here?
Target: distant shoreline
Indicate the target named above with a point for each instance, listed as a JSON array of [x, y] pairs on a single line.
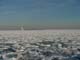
[[34, 29]]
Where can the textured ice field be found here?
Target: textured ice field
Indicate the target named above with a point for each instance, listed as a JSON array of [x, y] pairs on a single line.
[[49, 43], [38, 33]]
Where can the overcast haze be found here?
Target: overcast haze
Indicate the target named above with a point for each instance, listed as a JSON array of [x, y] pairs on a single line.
[[40, 14]]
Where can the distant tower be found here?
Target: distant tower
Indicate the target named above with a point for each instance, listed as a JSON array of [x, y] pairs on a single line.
[[22, 33], [22, 28]]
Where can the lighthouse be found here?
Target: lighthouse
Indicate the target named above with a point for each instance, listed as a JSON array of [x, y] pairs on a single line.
[[22, 33], [22, 28]]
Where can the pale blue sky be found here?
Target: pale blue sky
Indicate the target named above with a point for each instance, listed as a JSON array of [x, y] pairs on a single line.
[[40, 13]]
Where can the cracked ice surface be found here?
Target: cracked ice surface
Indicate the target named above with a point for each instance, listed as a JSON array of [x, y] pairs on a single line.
[[41, 44]]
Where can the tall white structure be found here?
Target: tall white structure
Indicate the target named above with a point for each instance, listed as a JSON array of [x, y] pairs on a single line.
[[22, 28], [22, 33]]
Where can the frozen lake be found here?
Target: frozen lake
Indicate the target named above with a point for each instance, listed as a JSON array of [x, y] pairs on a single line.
[[42, 44]]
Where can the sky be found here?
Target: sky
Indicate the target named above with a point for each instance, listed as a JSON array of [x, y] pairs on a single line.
[[40, 13]]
